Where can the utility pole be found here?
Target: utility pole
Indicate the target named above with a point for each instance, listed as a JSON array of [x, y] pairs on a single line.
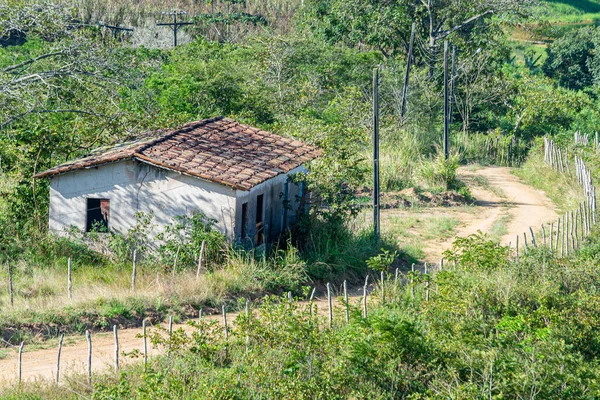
[[446, 107], [115, 29], [175, 24], [376, 207], [406, 77], [452, 83]]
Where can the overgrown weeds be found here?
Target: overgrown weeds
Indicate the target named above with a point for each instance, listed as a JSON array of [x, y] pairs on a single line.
[[527, 325]]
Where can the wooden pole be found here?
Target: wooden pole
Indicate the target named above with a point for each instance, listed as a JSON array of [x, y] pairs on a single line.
[[365, 296], [116, 348], [88, 337], [446, 106], [412, 282], [225, 322], [376, 209], [200, 258], [346, 301], [10, 286], [532, 237], [517, 246], [145, 340], [134, 270], [426, 284], [382, 280], [60, 343], [562, 237], [557, 234], [329, 306], [176, 259], [69, 280], [544, 234], [20, 368], [552, 236], [247, 311]]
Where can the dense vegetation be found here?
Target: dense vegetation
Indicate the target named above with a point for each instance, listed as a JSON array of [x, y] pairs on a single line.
[[494, 328]]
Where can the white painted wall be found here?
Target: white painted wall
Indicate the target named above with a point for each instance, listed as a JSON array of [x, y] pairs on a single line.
[[133, 186]]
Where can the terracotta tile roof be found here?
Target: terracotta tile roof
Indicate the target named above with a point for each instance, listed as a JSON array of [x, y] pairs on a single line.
[[217, 149]]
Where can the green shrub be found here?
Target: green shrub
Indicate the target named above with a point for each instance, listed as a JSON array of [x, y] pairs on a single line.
[[478, 252], [439, 172]]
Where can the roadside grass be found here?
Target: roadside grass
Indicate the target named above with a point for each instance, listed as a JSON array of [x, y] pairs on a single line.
[[562, 189], [102, 294], [422, 226], [500, 227], [489, 308], [412, 232]]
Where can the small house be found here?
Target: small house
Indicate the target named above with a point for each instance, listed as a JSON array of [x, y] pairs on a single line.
[[237, 175]]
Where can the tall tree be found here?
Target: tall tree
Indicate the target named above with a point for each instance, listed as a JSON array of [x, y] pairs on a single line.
[[385, 25]]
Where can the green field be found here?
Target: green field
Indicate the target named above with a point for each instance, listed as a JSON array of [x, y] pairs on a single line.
[[570, 11]]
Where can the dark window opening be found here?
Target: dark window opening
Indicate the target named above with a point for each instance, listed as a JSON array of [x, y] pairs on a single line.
[[260, 232], [97, 215], [244, 220]]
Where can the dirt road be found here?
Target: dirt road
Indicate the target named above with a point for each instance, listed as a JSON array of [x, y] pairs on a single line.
[[503, 203], [505, 197]]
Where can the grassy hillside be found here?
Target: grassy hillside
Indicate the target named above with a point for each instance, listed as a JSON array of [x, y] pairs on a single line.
[[571, 11]]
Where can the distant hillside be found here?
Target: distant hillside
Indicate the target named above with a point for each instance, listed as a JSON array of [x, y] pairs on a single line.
[[570, 11]]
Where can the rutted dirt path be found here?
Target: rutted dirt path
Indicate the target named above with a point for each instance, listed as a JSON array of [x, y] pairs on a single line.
[[504, 197], [503, 200], [529, 207]]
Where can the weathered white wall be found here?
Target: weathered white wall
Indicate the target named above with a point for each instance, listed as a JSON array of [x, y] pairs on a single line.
[[133, 186], [273, 190]]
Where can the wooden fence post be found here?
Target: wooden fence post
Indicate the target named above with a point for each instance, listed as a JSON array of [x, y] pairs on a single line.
[[532, 237], [346, 301], [412, 282], [247, 310], [517, 246], [382, 280], [20, 367], [60, 343], [200, 259], [365, 296], [552, 236], [10, 286], [426, 284], [329, 306], [116, 348], [175, 263], [310, 300], [69, 280], [544, 234], [88, 337], [557, 233], [225, 322], [134, 270], [145, 341]]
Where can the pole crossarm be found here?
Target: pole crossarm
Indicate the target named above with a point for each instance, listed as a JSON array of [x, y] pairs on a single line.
[[175, 24]]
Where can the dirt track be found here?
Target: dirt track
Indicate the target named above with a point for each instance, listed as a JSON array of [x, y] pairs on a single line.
[[522, 205]]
